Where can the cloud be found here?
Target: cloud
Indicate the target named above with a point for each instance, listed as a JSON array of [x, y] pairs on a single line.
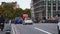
[[24, 3]]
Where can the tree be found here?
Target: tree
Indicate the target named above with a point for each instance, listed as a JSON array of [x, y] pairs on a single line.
[[18, 12], [8, 10], [1, 9]]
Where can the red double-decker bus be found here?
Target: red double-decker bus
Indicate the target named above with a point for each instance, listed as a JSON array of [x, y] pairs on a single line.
[[24, 16]]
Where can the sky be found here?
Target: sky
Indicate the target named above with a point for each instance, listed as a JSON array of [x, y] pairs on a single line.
[[22, 3]]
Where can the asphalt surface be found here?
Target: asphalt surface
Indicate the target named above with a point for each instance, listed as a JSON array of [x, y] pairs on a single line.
[[45, 28]]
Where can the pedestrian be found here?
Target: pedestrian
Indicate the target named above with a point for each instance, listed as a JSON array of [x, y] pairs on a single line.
[[43, 21], [34, 20], [2, 20], [40, 21]]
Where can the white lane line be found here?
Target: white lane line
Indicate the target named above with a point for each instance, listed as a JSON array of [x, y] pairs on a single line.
[[13, 31], [17, 31], [42, 30]]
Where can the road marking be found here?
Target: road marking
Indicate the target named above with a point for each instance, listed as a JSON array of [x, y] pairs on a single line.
[[17, 31], [42, 30], [13, 31]]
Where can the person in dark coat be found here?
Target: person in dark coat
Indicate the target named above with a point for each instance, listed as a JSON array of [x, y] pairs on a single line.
[[2, 20]]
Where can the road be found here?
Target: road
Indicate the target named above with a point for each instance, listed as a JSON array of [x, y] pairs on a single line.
[[42, 28]]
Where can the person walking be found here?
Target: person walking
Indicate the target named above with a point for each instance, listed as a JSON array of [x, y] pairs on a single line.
[[2, 20]]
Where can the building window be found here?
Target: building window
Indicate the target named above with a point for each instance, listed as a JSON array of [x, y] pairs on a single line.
[[44, 2], [58, 2], [49, 2], [59, 7], [54, 2], [37, 5], [35, 1], [58, 11], [37, 9], [49, 11], [54, 13], [54, 7], [49, 7], [44, 11], [37, 15]]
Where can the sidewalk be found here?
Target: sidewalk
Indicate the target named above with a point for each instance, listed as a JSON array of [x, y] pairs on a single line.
[[3, 32]]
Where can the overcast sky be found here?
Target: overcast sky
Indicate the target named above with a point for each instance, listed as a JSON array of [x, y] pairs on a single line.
[[22, 3]]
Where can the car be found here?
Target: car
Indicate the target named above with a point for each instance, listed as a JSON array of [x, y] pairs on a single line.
[[58, 26], [27, 21], [18, 20]]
